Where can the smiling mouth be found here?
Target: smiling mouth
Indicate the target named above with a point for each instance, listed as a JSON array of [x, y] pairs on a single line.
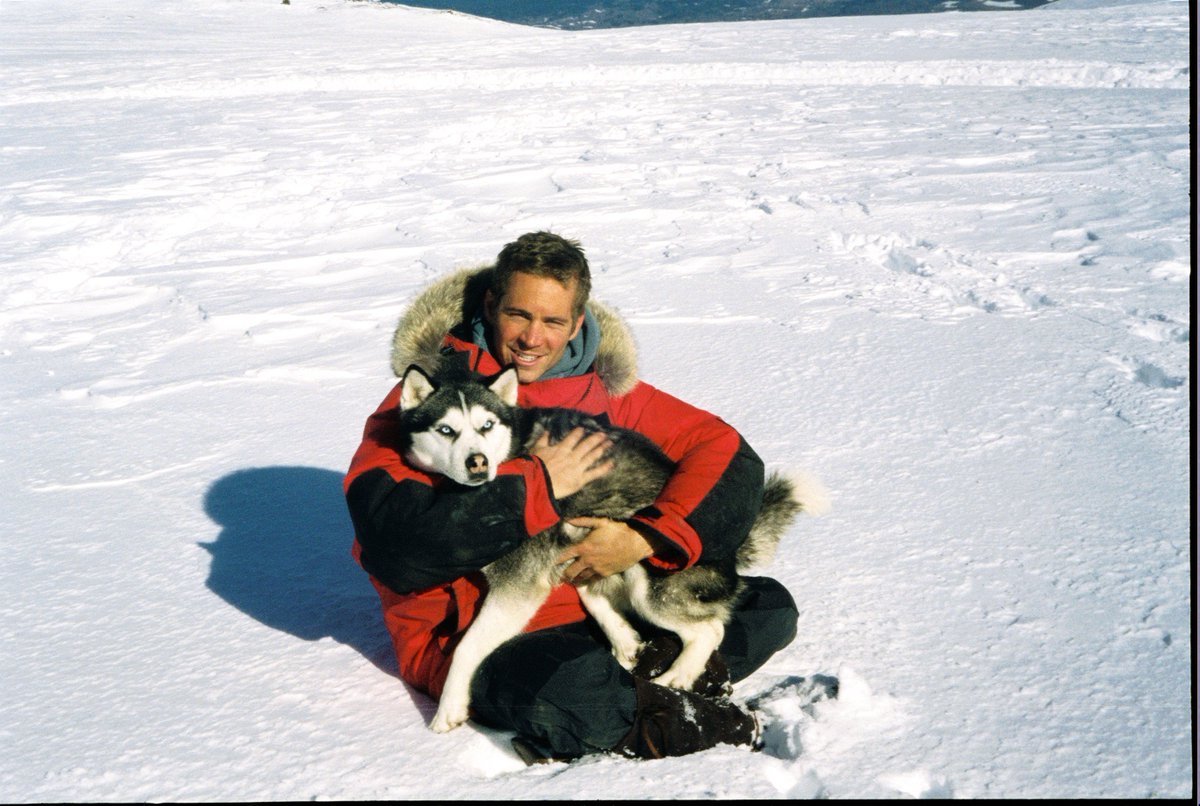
[[525, 359]]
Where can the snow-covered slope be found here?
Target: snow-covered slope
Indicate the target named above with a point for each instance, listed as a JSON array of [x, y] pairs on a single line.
[[942, 260]]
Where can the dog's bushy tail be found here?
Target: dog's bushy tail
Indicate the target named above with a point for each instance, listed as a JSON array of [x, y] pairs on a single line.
[[784, 497]]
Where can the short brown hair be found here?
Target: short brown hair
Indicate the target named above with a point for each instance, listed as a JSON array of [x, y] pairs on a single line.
[[544, 254]]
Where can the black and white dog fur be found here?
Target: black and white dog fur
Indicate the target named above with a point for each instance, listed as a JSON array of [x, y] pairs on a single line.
[[463, 429]]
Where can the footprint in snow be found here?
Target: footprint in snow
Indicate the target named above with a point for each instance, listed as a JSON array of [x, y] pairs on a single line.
[[1148, 374], [784, 708]]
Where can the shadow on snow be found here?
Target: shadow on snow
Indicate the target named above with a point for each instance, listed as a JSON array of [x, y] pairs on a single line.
[[283, 558]]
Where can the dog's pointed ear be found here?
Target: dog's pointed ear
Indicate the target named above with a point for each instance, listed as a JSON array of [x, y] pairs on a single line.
[[505, 386], [415, 387]]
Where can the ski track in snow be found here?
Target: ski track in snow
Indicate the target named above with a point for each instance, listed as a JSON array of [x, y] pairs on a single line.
[[1049, 73], [944, 265]]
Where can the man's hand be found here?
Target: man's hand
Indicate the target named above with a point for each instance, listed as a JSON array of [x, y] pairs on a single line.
[[610, 548], [574, 461]]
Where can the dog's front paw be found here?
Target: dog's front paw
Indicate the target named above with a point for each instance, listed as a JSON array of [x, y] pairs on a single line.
[[448, 717], [627, 654], [676, 677]]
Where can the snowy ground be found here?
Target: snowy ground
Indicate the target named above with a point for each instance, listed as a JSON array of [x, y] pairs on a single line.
[[941, 260]]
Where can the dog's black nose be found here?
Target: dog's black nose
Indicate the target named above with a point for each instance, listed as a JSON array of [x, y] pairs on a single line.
[[477, 465]]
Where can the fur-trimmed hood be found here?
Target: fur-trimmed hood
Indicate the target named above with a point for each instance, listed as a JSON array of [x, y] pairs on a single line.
[[455, 297]]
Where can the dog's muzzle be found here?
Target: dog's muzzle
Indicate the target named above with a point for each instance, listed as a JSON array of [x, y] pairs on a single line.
[[477, 467]]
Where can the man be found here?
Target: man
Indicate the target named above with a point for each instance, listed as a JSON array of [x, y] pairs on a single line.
[[423, 540]]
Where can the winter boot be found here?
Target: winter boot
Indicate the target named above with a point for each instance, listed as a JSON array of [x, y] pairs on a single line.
[[671, 722], [661, 651], [533, 752]]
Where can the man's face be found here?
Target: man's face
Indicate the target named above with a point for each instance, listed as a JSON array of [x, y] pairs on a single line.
[[532, 323]]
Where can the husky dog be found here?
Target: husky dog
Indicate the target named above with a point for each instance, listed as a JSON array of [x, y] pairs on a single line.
[[463, 429]]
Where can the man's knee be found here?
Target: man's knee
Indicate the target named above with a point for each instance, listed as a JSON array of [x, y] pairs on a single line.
[[763, 622], [563, 689], [775, 606]]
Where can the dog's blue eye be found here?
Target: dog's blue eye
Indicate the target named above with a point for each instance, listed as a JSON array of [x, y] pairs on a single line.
[[445, 430], [483, 429]]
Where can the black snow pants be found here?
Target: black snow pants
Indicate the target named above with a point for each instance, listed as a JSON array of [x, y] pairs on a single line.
[[562, 688]]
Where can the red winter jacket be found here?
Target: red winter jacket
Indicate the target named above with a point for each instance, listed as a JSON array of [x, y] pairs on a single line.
[[423, 539]]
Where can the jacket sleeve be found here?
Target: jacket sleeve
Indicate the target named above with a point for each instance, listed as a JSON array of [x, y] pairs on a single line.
[[710, 502], [415, 531]]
